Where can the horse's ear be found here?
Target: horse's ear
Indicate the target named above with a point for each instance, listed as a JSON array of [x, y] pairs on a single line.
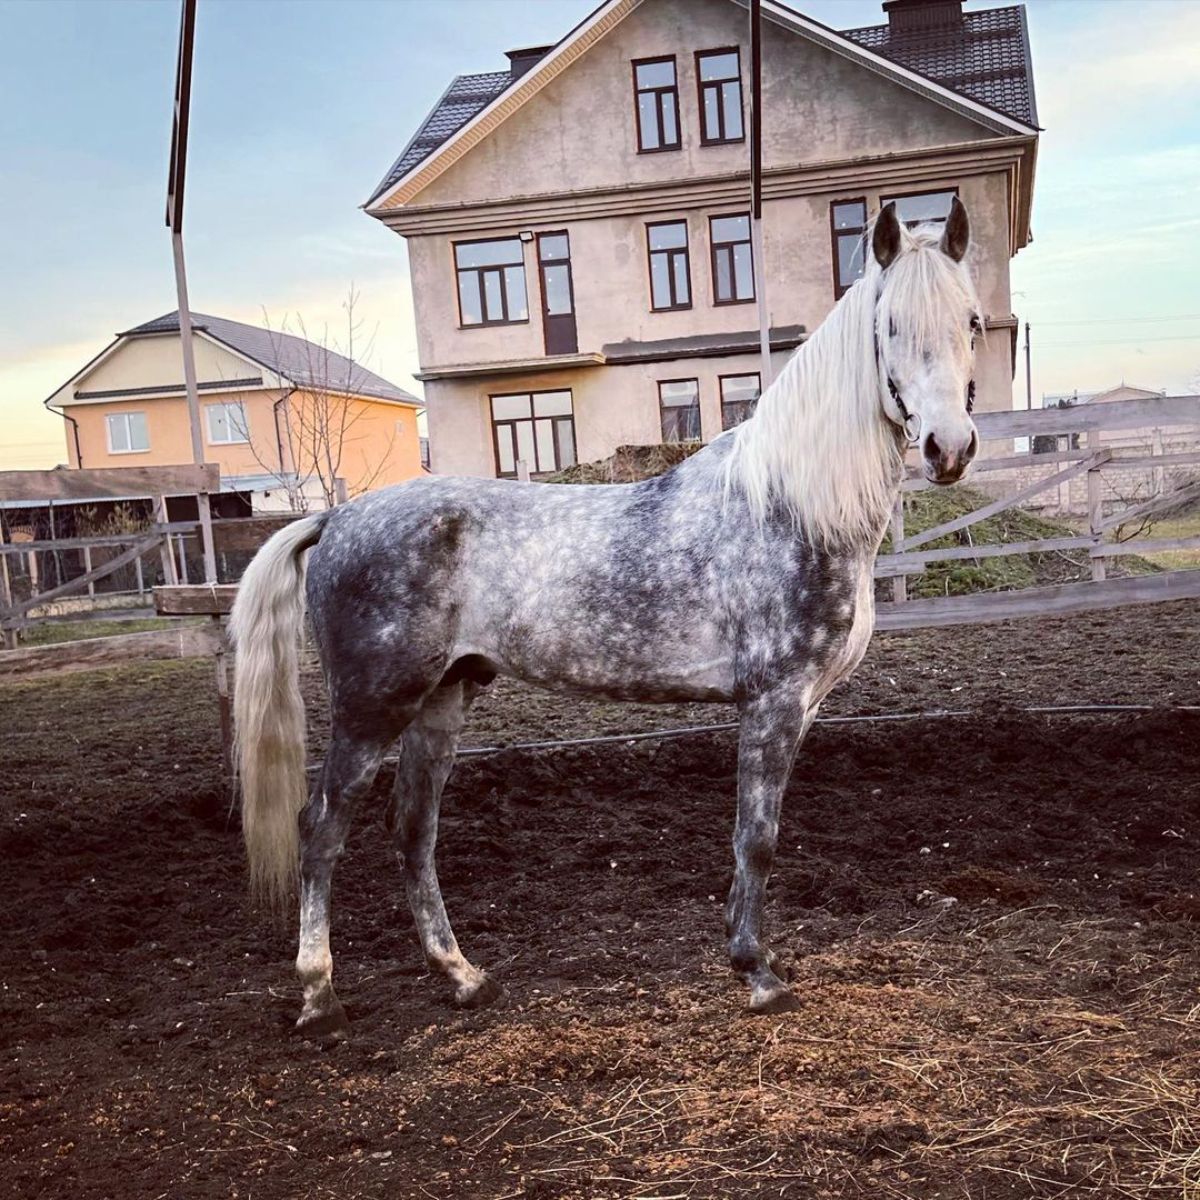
[[956, 237], [885, 240]]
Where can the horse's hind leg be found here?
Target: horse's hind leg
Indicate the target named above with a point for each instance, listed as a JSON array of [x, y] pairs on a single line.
[[349, 770], [772, 728], [426, 759]]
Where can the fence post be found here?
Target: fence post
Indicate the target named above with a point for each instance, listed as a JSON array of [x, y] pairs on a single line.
[[522, 470], [1095, 506], [168, 557], [183, 571], [899, 582], [10, 635], [87, 567], [141, 582]]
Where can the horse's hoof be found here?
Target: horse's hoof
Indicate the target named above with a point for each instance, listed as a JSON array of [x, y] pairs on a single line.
[[486, 991], [770, 1003], [328, 1023]]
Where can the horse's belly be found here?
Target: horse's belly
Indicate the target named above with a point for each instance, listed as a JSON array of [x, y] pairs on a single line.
[[616, 658]]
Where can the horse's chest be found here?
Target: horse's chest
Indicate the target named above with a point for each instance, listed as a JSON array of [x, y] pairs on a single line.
[[846, 650]]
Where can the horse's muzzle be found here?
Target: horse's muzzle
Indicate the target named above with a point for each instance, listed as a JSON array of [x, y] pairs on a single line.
[[945, 464]]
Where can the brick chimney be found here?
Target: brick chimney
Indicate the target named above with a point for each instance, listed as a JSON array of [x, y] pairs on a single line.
[[923, 16], [520, 61]]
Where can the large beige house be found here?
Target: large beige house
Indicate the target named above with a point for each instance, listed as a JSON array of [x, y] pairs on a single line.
[[283, 417], [578, 230]]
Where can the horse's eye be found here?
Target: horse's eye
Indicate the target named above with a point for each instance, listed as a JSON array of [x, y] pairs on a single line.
[[891, 328], [976, 325]]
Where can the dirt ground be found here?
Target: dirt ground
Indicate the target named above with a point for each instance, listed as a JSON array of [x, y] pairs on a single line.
[[991, 923]]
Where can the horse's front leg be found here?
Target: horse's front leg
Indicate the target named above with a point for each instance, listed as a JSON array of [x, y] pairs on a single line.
[[772, 727]]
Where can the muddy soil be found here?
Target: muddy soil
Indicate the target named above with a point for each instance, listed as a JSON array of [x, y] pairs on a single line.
[[991, 923]]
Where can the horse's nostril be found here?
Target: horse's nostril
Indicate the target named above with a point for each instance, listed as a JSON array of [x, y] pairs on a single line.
[[973, 446], [932, 450]]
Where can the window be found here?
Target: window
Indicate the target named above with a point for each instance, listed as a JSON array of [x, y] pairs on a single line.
[[227, 423], [670, 276], [536, 428], [127, 433], [848, 220], [657, 100], [719, 76], [679, 408], [491, 282], [554, 255], [923, 208], [739, 394], [732, 261]]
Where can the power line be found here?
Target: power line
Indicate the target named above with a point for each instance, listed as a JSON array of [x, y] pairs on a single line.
[[1182, 337], [1121, 320]]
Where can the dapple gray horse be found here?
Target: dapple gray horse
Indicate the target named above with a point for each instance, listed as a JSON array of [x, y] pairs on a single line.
[[743, 575]]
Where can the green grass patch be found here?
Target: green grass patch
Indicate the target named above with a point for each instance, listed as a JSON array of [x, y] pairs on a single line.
[[52, 632]]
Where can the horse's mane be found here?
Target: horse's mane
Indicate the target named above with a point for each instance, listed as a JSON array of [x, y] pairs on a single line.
[[819, 443]]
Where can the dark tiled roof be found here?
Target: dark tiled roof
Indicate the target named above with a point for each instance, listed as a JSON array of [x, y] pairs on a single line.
[[302, 363], [986, 57], [466, 96]]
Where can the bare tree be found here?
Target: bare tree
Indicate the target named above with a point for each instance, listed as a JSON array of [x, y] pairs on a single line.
[[322, 419]]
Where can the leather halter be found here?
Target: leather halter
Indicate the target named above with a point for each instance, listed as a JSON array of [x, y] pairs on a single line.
[[912, 421]]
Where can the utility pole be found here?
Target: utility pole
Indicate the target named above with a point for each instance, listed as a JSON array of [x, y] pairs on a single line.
[[756, 234], [1028, 372], [179, 141]]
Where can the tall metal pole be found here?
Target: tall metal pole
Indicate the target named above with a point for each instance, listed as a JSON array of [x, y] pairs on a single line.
[[1028, 371], [756, 234], [175, 182]]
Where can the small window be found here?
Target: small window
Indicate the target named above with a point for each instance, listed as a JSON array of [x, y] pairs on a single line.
[[127, 433], [923, 208], [679, 408], [657, 98], [536, 428], [554, 257], [491, 282], [719, 76], [732, 260], [227, 423], [739, 395], [670, 274], [848, 220]]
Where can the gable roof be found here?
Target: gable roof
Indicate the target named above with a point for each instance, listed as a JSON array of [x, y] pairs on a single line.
[[986, 62], [302, 363]]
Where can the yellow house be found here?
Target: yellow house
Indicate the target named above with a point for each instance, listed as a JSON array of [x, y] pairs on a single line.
[[289, 422]]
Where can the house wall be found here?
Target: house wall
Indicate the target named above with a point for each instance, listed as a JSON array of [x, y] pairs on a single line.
[[380, 445], [170, 435], [155, 360], [613, 406]]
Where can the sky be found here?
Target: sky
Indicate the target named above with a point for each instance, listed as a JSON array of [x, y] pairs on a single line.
[[300, 106]]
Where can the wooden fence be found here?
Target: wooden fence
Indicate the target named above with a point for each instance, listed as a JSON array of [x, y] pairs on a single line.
[[909, 556]]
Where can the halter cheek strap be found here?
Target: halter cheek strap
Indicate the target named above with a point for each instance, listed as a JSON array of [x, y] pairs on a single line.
[[912, 421]]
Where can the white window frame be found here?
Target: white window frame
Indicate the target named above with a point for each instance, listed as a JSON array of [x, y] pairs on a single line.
[[242, 438], [108, 428]]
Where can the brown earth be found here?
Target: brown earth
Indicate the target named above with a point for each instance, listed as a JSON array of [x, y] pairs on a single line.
[[991, 924]]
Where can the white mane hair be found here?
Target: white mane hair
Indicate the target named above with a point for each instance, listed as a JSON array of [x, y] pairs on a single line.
[[819, 442]]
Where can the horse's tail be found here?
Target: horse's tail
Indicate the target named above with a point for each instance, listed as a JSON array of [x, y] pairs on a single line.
[[268, 710]]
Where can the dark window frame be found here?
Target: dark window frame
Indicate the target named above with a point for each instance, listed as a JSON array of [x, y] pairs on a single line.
[[884, 201], [836, 234], [693, 379], [721, 395], [479, 272], [685, 250], [555, 262], [713, 244], [657, 93], [701, 85], [531, 420]]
